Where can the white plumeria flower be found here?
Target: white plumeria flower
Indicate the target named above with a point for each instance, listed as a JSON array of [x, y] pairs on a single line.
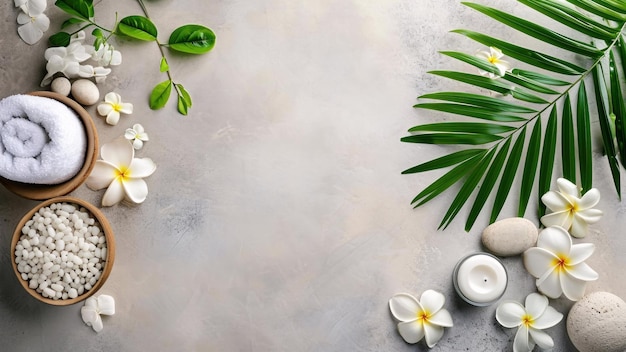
[[106, 55], [94, 307], [558, 265], [423, 318], [121, 173], [113, 106], [136, 135], [33, 21], [64, 60], [494, 56], [531, 319], [569, 210], [99, 73]]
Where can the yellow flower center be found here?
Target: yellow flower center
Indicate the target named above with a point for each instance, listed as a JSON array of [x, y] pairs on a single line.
[[561, 262], [116, 107], [493, 59], [527, 320], [423, 316], [123, 173]]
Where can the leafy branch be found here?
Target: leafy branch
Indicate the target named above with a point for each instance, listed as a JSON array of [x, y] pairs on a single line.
[[189, 39], [533, 95]]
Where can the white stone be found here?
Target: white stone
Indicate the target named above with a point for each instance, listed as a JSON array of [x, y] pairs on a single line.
[[85, 92], [510, 236], [61, 85], [598, 323]]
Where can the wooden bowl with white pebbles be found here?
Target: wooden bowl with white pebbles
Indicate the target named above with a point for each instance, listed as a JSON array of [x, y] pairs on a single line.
[[63, 250]]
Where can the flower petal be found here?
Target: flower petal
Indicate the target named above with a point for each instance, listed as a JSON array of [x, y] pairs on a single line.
[[548, 319], [144, 167], [573, 288], [538, 261], [441, 318], [30, 33], [567, 188], [541, 338], [522, 343], [137, 144], [136, 189], [106, 305], [555, 239], [118, 152], [549, 284], [89, 314], [114, 194], [590, 216], [112, 98], [589, 199], [536, 304], [580, 252], [562, 219], [404, 307], [104, 109], [579, 227], [113, 117], [97, 324], [433, 334], [411, 331], [126, 108], [582, 271], [432, 301], [509, 314], [555, 201], [102, 175], [130, 134], [138, 128]]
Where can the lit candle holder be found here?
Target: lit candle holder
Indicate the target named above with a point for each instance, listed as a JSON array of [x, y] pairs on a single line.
[[480, 279]]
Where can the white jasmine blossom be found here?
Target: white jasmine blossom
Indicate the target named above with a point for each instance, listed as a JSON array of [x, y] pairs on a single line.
[[32, 20], [530, 319], [136, 135], [425, 318], [94, 307], [558, 265], [64, 60], [112, 107], [494, 56], [99, 73], [106, 55], [120, 173], [569, 210]]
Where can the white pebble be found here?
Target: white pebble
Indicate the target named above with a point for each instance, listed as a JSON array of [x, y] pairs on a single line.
[[72, 293], [49, 292], [61, 85], [85, 92]]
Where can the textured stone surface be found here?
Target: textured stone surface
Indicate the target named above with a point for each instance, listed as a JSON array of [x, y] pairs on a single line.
[[597, 323], [278, 219], [509, 237]]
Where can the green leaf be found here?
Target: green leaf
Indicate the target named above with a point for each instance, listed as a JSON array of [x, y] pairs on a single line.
[[445, 161], [160, 95], [568, 146], [547, 159], [71, 21], [185, 94], [451, 138], [488, 183], [80, 8], [477, 62], [163, 66], [192, 39], [464, 127], [530, 168], [583, 131], [494, 104], [617, 99], [538, 32], [59, 39], [97, 32], [466, 190], [528, 83], [138, 27], [508, 175], [599, 10], [470, 111], [447, 180], [526, 55], [605, 128], [539, 77], [615, 5], [182, 106]]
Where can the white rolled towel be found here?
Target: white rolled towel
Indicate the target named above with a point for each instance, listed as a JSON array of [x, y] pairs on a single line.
[[42, 141]]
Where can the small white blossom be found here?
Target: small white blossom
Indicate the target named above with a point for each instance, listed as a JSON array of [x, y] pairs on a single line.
[[64, 60], [94, 307], [136, 135], [32, 20], [494, 56], [99, 73], [106, 55], [112, 107]]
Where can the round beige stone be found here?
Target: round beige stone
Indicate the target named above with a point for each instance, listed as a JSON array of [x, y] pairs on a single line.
[[510, 236], [597, 323], [85, 92], [61, 85]]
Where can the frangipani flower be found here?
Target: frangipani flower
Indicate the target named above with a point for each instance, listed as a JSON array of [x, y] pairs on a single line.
[[113, 106], [136, 135], [121, 173], [494, 56], [423, 318], [558, 265], [94, 307], [531, 319], [33, 21], [569, 210]]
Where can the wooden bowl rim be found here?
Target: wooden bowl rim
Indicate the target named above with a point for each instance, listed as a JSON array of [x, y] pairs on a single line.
[[108, 234], [42, 192]]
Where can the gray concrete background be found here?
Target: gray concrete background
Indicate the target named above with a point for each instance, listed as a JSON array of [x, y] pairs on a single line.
[[277, 219]]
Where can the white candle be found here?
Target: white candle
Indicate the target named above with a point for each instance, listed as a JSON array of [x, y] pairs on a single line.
[[480, 279]]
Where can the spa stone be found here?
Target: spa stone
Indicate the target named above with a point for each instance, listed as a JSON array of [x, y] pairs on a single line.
[[85, 92], [61, 85], [598, 323], [510, 236]]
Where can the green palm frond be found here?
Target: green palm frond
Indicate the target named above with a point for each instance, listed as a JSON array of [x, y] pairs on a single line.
[[526, 111]]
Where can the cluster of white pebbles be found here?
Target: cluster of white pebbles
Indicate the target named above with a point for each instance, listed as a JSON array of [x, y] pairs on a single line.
[[61, 252]]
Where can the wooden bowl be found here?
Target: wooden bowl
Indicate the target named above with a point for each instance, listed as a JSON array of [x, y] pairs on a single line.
[[105, 270], [41, 192]]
